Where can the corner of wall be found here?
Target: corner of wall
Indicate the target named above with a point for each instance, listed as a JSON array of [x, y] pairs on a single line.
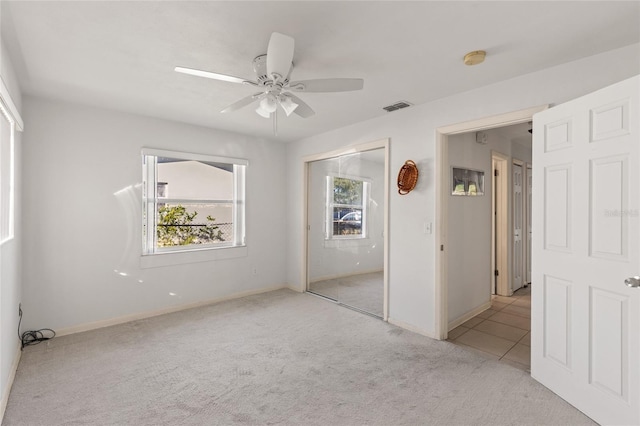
[[10, 259], [6, 389]]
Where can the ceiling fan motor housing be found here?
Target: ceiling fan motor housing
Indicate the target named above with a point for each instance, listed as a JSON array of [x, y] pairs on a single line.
[[260, 68]]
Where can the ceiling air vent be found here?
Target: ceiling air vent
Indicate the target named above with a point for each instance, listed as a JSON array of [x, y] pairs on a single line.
[[397, 105]]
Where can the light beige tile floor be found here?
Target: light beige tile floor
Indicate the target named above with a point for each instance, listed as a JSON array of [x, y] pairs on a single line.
[[502, 331]]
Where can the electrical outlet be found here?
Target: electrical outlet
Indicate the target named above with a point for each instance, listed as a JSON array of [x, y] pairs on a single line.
[[20, 309], [255, 271]]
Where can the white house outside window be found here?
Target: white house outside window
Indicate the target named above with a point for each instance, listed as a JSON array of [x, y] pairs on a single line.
[[192, 201], [347, 201]]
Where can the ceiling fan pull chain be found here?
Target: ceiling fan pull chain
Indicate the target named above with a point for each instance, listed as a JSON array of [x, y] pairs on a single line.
[[275, 123]]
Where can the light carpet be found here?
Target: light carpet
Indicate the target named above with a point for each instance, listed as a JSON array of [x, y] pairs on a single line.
[[361, 291], [277, 358]]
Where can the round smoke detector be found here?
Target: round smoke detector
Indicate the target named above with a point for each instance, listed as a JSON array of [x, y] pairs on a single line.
[[474, 58]]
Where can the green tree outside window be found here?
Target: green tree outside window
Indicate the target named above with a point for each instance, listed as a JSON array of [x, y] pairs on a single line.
[[175, 227]]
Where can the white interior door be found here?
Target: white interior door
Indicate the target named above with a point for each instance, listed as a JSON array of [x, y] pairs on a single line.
[[585, 320], [518, 253]]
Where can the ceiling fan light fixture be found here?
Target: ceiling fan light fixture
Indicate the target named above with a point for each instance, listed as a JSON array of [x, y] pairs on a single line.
[[269, 104], [262, 112], [288, 105]]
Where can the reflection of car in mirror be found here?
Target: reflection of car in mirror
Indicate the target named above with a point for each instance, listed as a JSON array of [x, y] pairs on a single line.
[[352, 217], [347, 222], [339, 212]]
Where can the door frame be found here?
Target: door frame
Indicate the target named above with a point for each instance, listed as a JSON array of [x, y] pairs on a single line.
[[442, 197], [378, 144], [500, 223]]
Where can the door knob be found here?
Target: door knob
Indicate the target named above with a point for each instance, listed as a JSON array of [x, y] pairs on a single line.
[[632, 282]]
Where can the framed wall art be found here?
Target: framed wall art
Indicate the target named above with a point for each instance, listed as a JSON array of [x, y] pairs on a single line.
[[467, 182]]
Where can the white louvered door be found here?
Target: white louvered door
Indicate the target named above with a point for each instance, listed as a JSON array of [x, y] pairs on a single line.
[[517, 280]]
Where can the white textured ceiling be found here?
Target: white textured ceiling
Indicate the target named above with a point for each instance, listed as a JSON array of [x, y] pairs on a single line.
[[121, 55]]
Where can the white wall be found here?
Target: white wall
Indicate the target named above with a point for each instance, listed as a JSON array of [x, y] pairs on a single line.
[[336, 258], [412, 132], [521, 152], [82, 179], [469, 230], [10, 272]]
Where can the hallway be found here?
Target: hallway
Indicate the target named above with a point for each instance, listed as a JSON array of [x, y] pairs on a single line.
[[502, 331]]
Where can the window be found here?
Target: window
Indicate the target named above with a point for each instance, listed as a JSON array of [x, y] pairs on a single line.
[[192, 202], [7, 130], [346, 208]]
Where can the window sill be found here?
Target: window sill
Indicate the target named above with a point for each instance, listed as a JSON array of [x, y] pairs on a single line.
[[347, 242], [159, 260]]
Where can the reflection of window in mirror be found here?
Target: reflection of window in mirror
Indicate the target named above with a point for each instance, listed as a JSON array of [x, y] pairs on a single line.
[[346, 207]]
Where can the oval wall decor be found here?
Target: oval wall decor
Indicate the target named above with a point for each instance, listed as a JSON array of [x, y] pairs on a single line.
[[407, 177]]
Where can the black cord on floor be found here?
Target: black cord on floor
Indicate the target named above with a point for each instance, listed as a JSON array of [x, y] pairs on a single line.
[[33, 337]]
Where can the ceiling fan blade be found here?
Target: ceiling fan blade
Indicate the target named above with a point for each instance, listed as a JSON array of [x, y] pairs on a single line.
[[303, 110], [242, 103], [215, 76], [327, 85], [280, 54]]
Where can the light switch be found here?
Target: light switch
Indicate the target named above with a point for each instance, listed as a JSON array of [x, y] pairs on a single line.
[[428, 227]]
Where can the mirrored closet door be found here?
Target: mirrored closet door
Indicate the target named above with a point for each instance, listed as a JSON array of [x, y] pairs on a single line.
[[345, 213]]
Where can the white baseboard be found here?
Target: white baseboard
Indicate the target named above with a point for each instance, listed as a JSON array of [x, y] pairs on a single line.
[[412, 328], [466, 317], [9, 385], [142, 315], [297, 289]]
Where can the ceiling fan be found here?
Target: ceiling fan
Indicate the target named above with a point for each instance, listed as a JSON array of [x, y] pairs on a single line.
[[273, 71]]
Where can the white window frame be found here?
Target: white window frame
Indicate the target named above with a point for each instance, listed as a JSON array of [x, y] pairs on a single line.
[[330, 204], [150, 202], [7, 201]]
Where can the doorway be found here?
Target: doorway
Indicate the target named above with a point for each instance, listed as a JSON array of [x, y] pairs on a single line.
[[443, 282], [488, 302], [346, 220]]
